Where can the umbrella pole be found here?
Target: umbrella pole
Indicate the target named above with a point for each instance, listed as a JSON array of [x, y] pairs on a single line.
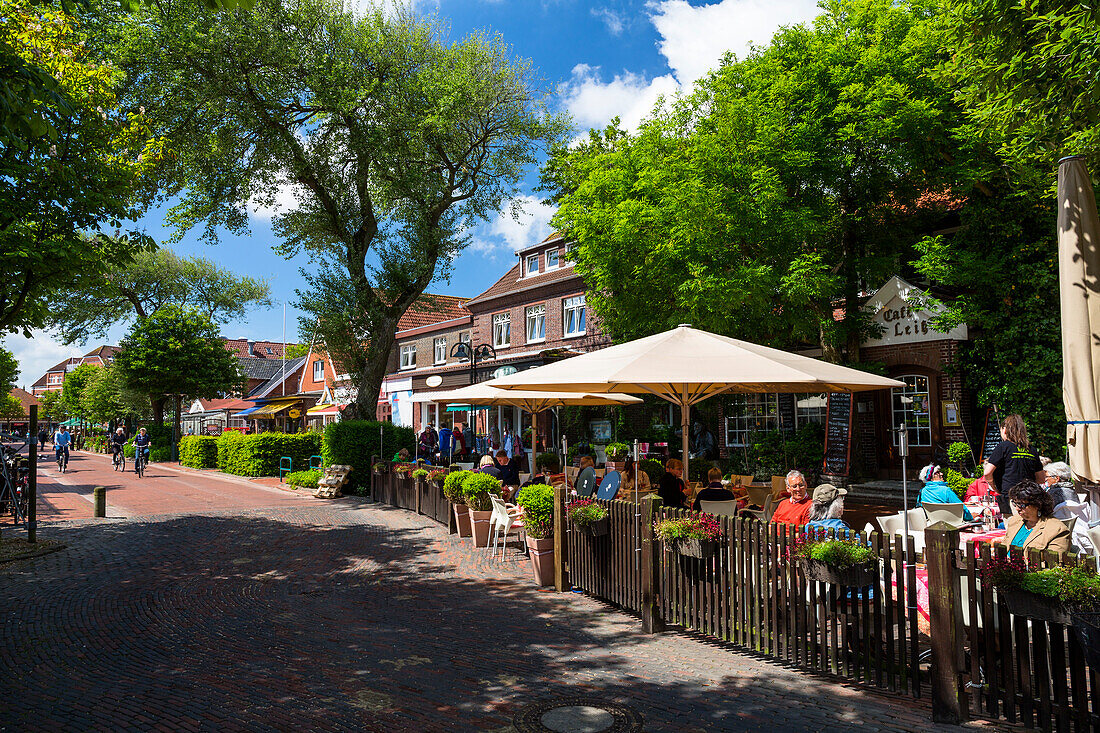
[[685, 410]]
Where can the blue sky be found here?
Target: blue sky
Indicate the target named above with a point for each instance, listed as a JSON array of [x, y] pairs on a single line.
[[598, 59]]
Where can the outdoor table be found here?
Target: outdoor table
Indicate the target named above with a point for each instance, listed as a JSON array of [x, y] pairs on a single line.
[[924, 620], [982, 536]]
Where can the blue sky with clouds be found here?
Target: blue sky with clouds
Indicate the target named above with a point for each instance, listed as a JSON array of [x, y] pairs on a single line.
[[599, 60]]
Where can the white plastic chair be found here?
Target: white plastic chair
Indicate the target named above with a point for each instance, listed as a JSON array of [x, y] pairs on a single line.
[[918, 521], [506, 517], [719, 508], [950, 513], [1094, 536], [890, 524], [524, 478]]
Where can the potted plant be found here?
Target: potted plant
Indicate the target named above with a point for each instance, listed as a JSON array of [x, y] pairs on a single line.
[[1050, 594], [690, 536], [452, 489], [589, 517], [616, 454], [547, 463], [537, 501], [843, 562], [476, 489], [437, 475], [420, 474], [402, 469], [380, 467]]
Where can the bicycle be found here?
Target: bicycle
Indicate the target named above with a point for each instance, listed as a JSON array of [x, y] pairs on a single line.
[[119, 460], [139, 462], [62, 456]]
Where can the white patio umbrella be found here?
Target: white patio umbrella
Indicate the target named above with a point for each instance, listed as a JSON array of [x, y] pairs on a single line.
[[1079, 287], [686, 366], [485, 393]]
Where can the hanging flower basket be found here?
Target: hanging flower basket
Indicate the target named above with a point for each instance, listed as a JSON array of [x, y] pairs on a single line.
[[588, 517], [598, 528], [854, 576], [689, 536], [1032, 605], [693, 547]]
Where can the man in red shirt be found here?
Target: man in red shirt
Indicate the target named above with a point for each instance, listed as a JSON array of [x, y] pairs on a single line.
[[795, 509]]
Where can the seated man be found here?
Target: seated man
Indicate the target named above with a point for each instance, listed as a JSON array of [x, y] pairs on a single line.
[[795, 509], [509, 470], [936, 490], [714, 491]]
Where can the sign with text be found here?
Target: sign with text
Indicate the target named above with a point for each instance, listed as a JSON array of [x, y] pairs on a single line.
[[904, 314], [991, 436], [786, 413], [838, 433]]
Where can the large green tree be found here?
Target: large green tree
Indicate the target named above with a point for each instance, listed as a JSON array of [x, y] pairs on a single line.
[[9, 370], [72, 389], [176, 352], [781, 183], [393, 142], [148, 283], [105, 397], [52, 406]]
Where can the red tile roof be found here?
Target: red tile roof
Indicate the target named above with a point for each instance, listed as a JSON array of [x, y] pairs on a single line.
[[25, 398], [511, 282], [261, 349], [429, 309]]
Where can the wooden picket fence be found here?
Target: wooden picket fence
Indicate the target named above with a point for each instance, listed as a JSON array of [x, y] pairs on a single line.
[[404, 492]]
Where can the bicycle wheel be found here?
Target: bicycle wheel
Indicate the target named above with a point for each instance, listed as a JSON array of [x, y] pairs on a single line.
[[139, 466]]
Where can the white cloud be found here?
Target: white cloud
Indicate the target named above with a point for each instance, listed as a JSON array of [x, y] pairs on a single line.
[[285, 200], [692, 40], [36, 355], [611, 19], [506, 234]]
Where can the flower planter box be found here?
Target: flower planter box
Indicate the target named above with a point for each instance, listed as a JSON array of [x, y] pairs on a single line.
[[598, 528], [542, 559], [462, 519], [1032, 605], [479, 525], [856, 576], [701, 549]]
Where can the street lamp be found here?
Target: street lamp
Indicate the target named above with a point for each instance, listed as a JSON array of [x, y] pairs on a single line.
[[465, 351]]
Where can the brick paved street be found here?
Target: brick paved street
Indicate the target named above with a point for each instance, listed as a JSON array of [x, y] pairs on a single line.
[[350, 616]]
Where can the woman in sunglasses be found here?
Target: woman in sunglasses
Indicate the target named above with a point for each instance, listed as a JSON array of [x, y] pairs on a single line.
[[1034, 527]]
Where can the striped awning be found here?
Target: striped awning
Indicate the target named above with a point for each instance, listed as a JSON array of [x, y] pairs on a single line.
[[270, 410], [245, 413], [324, 410]]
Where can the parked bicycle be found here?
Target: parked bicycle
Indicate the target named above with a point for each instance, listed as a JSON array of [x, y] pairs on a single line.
[[14, 483]]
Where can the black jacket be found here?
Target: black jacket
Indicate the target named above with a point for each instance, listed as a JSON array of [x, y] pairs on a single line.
[[671, 491]]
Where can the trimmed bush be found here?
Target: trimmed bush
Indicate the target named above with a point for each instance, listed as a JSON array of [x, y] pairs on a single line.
[[476, 489], [198, 451], [452, 486], [537, 501], [258, 455], [305, 479], [353, 442]]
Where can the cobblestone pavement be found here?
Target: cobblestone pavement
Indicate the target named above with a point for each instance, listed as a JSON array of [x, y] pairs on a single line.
[[354, 616]]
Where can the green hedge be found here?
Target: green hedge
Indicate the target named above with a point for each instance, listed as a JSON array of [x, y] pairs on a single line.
[[307, 479], [353, 442], [199, 451], [258, 455]]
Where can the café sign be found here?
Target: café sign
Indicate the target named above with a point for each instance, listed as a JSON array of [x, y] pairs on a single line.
[[904, 315]]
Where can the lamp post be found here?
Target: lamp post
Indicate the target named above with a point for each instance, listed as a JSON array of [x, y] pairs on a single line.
[[466, 351]]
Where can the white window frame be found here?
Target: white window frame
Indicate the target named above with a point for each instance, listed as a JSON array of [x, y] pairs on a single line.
[[439, 349], [502, 329], [535, 315], [557, 261], [55, 378], [535, 260], [806, 415], [318, 370], [576, 303], [750, 413], [917, 415], [408, 356]]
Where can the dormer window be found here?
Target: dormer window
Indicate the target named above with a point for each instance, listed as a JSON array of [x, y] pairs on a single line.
[[551, 258], [269, 350], [532, 264]]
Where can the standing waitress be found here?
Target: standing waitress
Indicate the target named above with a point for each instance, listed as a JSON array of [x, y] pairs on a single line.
[[1012, 461]]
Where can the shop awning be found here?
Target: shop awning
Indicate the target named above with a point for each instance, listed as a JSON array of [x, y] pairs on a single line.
[[324, 410], [270, 410], [459, 408], [244, 413]]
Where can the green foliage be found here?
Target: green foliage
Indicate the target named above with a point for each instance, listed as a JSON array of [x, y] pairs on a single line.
[[293, 351], [702, 527], [105, 397], [199, 451], [52, 406], [548, 462], [72, 390], [128, 449], [353, 442], [775, 453], [960, 454], [258, 455], [957, 482], [476, 489], [305, 479], [1078, 588], [653, 468], [10, 407], [537, 501], [9, 370], [420, 473], [585, 511], [617, 451], [838, 553], [452, 486]]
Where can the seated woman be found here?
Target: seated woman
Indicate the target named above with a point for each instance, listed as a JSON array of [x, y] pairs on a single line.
[[627, 479], [1059, 483], [672, 489], [488, 466], [978, 490], [714, 491], [936, 490], [827, 509], [1035, 526]]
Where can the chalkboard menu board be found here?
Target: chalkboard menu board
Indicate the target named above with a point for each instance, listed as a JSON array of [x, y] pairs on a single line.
[[838, 433], [786, 413], [991, 436]]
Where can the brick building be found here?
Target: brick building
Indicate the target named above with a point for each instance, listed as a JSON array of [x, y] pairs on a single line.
[[54, 378]]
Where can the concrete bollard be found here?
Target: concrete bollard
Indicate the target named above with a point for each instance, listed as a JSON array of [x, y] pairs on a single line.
[[100, 495]]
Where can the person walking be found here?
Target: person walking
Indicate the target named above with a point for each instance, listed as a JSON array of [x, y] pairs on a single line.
[[1012, 462]]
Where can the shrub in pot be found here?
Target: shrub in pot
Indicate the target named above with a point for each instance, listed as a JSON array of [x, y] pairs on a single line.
[[842, 562], [548, 463], [1051, 594], [476, 489], [537, 501], [690, 536], [452, 489], [420, 474], [616, 456], [588, 517]]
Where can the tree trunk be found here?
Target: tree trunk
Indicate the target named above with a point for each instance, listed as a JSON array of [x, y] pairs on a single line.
[[176, 431], [158, 409], [369, 383]]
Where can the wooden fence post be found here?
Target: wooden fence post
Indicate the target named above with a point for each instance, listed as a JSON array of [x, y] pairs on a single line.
[[561, 584], [652, 621], [950, 703]]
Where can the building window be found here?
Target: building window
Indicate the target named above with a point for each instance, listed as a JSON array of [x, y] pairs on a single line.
[[551, 258], [318, 371], [749, 414], [439, 349], [54, 379], [536, 323], [573, 318], [502, 329], [911, 406], [810, 408], [532, 264], [269, 350], [408, 356], [464, 337]]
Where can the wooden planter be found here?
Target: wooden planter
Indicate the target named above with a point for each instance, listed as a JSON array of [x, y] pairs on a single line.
[[595, 529], [479, 524], [1032, 605], [856, 576], [701, 549], [542, 559], [462, 519], [611, 465]]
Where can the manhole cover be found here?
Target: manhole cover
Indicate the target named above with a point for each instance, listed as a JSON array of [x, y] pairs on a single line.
[[577, 715]]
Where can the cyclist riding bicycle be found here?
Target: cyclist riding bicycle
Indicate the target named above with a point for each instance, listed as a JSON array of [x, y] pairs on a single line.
[[141, 446], [61, 442], [118, 439]]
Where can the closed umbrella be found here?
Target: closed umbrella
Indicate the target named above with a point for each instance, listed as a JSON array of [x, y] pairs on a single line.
[[686, 365], [1079, 288]]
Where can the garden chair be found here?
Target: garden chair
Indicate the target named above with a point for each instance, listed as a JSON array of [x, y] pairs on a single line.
[[765, 514], [891, 524], [758, 495], [571, 473], [1094, 536], [950, 513], [745, 480], [918, 521], [524, 478], [719, 508], [779, 485], [506, 518]]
